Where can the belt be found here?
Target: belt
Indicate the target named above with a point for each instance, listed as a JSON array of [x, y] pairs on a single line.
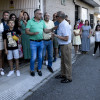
[[36, 40], [48, 39]]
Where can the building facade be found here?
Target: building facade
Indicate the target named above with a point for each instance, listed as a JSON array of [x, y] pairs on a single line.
[[75, 9]]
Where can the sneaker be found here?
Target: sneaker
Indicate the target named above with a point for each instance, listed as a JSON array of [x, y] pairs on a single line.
[[93, 54], [18, 73], [78, 53], [2, 72], [46, 62], [10, 73]]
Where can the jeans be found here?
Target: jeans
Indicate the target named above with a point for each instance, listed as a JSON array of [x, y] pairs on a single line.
[[48, 45], [36, 50]]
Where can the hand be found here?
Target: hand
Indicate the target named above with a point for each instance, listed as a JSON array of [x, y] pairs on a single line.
[[53, 34], [6, 51], [54, 28], [88, 36], [35, 33]]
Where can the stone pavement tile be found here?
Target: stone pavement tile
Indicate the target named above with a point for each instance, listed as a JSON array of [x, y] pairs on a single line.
[[12, 88]]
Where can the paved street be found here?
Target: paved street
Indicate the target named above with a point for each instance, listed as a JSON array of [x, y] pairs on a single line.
[[85, 85]]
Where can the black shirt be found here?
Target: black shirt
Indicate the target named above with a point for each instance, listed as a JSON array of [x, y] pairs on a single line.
[[10, 42]]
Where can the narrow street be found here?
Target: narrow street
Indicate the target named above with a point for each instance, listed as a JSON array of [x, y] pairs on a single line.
[[85, 84]]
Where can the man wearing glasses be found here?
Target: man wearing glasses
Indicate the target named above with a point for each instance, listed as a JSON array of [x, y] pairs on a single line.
[[64, 40], [35, 28]]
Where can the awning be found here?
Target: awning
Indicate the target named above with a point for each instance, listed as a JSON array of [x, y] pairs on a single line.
[[92, 3]]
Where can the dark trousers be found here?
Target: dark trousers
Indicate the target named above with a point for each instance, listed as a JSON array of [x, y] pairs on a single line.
[[96, 46]]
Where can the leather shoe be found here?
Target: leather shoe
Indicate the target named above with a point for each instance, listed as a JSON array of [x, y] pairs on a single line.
[[59, 77], [39, 73], [66, 80], [32, 73], [50, 69]]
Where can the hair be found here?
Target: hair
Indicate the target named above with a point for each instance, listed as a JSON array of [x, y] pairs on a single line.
[[12, 15], [36, 10], [61, 14], [88, 22], [27, 15], [66, 16], [96, 29], [9, 21], [74, 26], [46, 14], [5, 12]]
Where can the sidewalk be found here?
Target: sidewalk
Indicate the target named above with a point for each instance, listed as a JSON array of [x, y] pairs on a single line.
[[13, 88]]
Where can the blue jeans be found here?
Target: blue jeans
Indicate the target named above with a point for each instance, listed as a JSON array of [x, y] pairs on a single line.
[[48, 45], [36, 50]]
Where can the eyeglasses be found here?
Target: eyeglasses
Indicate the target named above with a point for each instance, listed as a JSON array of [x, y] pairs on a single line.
[[39, 13]]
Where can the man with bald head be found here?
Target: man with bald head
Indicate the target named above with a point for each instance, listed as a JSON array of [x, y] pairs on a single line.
[[48, 43], [64, 40]]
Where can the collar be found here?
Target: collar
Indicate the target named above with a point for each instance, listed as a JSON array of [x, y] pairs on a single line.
[[35, 20]]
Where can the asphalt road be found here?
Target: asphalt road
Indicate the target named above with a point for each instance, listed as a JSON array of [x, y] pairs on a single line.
[[85, 84]]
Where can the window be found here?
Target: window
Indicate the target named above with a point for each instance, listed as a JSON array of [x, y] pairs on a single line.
[[84, 14]]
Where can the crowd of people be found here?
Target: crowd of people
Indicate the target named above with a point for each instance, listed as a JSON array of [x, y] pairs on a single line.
[[43, 39]]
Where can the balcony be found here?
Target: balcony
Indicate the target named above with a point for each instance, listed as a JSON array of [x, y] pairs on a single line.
[[94, 3]]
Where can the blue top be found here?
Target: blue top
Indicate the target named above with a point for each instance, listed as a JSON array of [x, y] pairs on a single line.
[[56, 24]]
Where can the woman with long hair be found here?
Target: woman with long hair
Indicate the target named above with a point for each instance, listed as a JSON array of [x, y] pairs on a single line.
[[86, 31], [97, 39], [24, 37]]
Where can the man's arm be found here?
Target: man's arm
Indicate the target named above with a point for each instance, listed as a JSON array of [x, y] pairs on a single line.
[[50, 30], [64, 38], [31, 33]]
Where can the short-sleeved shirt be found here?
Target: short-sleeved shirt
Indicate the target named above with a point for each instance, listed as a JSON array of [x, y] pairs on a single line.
[[97, 36], [64, 30], [11, 43], [35, 26], [49, 25], [56, 24]]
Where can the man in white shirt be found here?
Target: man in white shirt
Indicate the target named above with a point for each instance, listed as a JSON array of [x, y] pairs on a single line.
[[64, 40], [48, 43]]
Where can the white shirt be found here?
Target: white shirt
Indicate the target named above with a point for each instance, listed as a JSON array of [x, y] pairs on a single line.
[[64, 30], [1, 28], [97, 36], [49, 25]]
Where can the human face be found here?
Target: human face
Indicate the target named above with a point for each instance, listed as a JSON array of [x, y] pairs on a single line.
[[54, 16], [13, 18], [98, 28], [87, 22], [46, 17], [76, 26], [38, 15], [11, 24], [25, 16], [6, 16]]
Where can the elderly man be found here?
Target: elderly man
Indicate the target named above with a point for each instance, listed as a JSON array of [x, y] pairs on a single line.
[[35, 28], [48, 44], [64, 40]]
